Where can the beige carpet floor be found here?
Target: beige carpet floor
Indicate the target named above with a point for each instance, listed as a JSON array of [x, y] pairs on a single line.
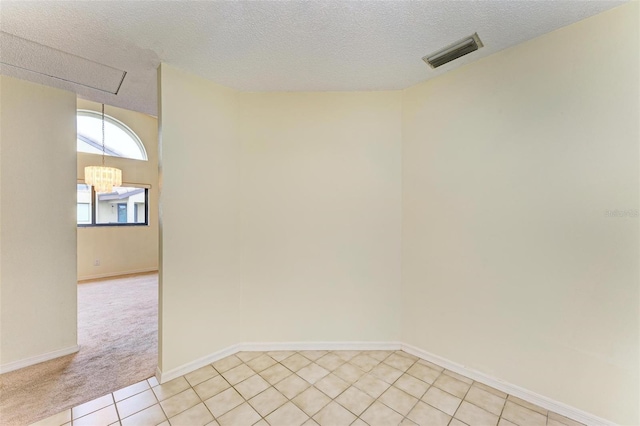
[[118, 338]]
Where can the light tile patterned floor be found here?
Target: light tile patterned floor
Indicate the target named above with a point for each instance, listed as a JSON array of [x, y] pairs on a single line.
[[327, 388]]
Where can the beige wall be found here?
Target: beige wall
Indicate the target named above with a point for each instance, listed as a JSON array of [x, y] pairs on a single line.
[[199, 275], [321, 216], [38, 256], [130, 249], [495, 204], [510, 265], [300, 210]]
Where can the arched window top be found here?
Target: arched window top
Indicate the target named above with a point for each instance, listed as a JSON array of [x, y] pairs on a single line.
[[119, 140]]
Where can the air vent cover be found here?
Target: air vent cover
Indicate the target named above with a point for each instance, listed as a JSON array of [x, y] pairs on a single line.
[[453, 51]]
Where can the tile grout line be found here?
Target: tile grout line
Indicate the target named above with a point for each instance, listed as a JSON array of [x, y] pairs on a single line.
[[333, 399], [113, 397], [503, 407], [350, 384], [313, 385], [230, 387], [432, 385], [330, 372], [271, 385], [390, 385], [296, 374], [338, 395], [374, 399], [404, 417], [463, 400], [198, 395]]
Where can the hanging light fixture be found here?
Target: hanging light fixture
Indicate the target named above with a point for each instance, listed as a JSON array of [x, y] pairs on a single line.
[[102, 178]]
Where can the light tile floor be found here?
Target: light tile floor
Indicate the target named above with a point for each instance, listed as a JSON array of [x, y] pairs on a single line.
[[327, 388]]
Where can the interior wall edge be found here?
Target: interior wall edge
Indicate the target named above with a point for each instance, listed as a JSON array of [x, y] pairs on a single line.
[[198, 265]]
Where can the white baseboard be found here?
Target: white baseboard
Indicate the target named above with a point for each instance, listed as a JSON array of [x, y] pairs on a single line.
[[164, 377], [16, 365], [527, 395], [320, 346], [116, 274]]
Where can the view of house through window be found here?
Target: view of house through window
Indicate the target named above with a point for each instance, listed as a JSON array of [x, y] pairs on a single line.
[[123, 206]]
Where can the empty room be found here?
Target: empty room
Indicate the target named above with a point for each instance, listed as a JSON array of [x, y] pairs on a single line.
[[360, 213]]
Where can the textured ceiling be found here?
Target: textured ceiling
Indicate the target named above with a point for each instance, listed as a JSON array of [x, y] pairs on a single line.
[[269, 46]]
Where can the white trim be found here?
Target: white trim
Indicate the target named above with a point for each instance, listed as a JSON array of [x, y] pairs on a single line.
[[527, 395], [164, 377], [320, 346], [116, 274], [16, 365]]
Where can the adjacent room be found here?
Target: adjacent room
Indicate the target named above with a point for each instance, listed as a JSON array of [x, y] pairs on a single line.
[[360, 213], [117, 253], [117, 260], [117, 249]]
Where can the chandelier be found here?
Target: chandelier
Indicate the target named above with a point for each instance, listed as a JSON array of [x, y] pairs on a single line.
[[102, 178]]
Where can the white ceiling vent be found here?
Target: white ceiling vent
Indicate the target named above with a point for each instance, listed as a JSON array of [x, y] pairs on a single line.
[[454, 51], [25, 56]]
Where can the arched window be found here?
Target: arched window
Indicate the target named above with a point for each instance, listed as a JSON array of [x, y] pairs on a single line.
[[119, 140]]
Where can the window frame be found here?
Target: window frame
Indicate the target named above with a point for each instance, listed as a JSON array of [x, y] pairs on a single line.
[[94, 202], [107, 118], [84, 222]]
